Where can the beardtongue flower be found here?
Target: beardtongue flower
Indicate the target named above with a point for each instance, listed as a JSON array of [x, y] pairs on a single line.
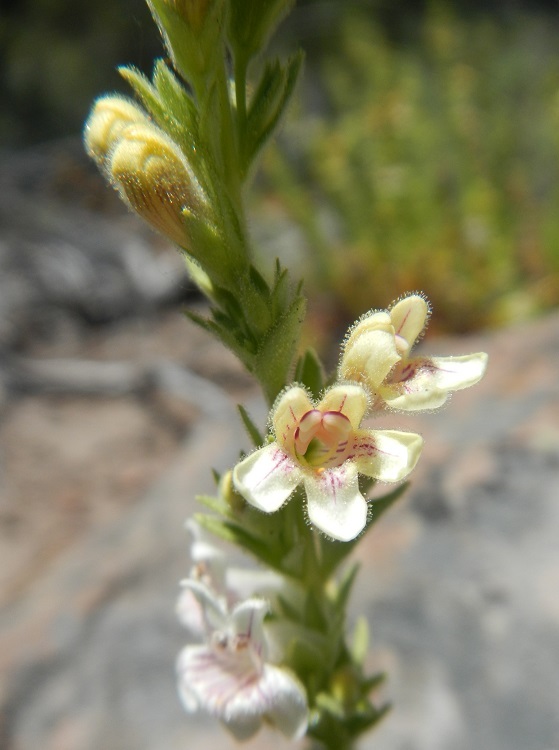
[[229, 675], [323, 447], [377, 354]]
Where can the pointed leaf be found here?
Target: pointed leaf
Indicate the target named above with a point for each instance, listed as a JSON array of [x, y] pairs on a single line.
[[309, 372], [253, 431], [360, 641]]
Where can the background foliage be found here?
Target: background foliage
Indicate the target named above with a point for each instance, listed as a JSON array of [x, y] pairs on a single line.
[[423, 152]]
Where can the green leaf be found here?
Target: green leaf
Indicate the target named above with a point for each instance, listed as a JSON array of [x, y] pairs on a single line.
[[253, 431], [373, 682], [309, 372], [345, 586], [270, 102], [273, 361], [232, 532], [333, 552], [251, 22], [360, 641], [313, 613]]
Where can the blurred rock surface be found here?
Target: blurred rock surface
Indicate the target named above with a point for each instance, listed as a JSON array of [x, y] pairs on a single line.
[[460, 581]]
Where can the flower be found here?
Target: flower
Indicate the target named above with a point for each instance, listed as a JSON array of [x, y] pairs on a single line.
[[230, 677], [322, 447], [377, 353]]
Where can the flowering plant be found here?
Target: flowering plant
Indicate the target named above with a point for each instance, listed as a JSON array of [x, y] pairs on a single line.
[[270, 645]]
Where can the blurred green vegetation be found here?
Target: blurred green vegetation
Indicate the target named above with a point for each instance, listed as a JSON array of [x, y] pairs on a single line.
[[57, 55], [430, 163], [422, 155]]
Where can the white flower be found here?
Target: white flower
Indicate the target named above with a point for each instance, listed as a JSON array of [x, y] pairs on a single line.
[[377, 353], [229, 676], [322, 447]]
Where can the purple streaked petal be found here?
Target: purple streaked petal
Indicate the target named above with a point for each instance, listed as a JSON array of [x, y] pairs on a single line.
[[388, 455], [267, 477], [334, 502]]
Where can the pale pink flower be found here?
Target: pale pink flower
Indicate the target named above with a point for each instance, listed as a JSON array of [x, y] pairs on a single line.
[[229, 675]]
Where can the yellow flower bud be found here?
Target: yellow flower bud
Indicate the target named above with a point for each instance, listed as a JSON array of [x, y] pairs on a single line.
[[154, 177], [109, 117]]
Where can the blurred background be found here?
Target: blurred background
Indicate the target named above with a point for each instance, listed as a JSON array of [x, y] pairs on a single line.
[[420, 153]]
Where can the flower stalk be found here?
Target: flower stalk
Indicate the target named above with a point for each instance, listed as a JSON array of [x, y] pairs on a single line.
[[271, 645]]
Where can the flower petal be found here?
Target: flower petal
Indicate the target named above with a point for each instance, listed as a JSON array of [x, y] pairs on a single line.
[[428, 380], [370, 351], [267, 477], [232, 688], [212, 609], [288, 710], [288, 410], [455, 373], [247, 621], [334, 502], [388, 455], [224, 684], [349, 399], [409, 317]]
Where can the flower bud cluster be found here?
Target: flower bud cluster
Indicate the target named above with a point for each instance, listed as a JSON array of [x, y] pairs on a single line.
[[145, 165]]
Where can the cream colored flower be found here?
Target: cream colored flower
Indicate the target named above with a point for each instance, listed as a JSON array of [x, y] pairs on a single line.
[[377, 353], [323, 447]]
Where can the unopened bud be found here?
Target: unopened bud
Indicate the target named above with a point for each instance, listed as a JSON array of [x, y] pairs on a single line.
[[154, 177], [369, 352], [109, 117]]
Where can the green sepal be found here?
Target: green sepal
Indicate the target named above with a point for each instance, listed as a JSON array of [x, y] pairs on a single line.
[[269, 103], [253, 432], [170, 105], [310, 373]]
